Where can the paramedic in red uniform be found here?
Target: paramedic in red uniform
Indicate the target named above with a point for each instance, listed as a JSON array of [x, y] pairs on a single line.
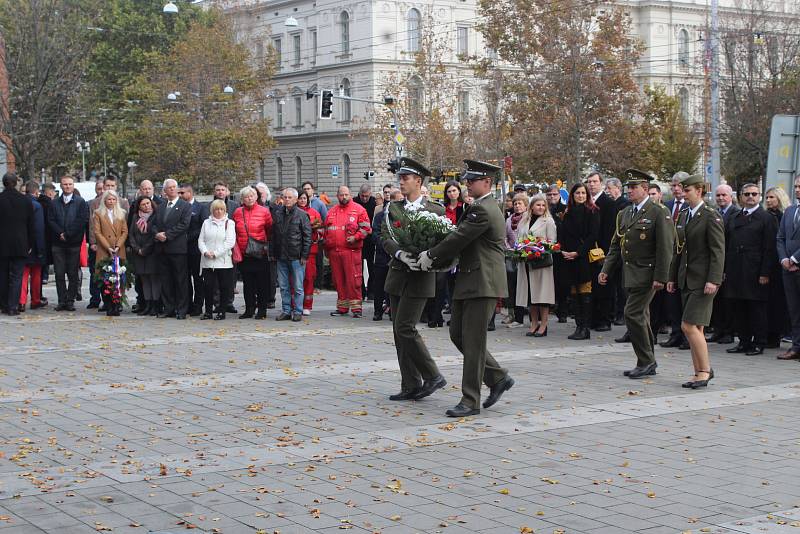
[[346, 227]]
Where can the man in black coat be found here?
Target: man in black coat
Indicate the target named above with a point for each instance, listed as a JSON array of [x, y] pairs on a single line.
[[557, 207], [367, 201], [172, 227], [749, 257], [46, 200], [672, 301], [290, 246], [722, 317], [67, 221], [619, 296], [603, 296], [16, 241], [195, 280]]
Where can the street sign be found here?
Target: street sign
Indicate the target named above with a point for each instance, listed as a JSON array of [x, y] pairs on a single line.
[[782, 162], [399, 138], [334, 170]]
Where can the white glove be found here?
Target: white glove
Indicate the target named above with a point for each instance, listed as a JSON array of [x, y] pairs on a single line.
[[425, 262], [408, 259]]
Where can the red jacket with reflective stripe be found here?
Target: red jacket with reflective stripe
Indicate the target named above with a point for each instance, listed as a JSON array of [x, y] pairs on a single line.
[[343, 222]]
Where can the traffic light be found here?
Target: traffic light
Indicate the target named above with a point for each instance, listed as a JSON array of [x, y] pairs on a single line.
[[393, 166], [326, 105]]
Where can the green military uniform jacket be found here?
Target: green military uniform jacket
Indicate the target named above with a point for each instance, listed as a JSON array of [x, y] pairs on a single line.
[[642, 244], [479, 244], [400, 280], [700, 249]]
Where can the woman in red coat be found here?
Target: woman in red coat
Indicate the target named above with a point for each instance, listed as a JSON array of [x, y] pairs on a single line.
[[253, 224], [311, 265]]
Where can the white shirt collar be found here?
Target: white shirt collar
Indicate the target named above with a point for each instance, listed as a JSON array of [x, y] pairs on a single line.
[[749, 211], [725, 209], [595, 197], [415, 205], [67, 198], [641, 204], [484, 196], [694, 210]]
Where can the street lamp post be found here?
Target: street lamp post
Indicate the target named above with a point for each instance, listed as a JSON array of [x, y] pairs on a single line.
[[83, 148]]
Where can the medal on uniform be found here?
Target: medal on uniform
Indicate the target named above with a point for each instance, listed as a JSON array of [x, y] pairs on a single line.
[[643, 236]]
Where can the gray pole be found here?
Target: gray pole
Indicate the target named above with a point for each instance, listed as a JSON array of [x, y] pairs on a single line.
[[715, 145]]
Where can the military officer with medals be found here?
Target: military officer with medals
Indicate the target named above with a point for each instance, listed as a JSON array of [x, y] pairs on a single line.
[[697, 270], [642, 245], [409, 290], [478, 243]]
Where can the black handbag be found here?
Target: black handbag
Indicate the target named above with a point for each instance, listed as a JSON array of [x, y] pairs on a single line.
[[540, 263], [255, 248]]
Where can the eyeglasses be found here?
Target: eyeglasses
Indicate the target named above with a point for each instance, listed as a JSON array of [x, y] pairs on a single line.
[[751, 194]]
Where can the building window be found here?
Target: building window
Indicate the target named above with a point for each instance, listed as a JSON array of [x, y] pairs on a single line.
[[344, 28], [279, 169], [462, 44], [683, 48], [346, 169], [313, 46], [346, 104], [260, 50], [276, 44], [298, 112], [414, 19], [298, 170], [683, 99], [415, 96], [296, 48], [279, 114], [463, 106]]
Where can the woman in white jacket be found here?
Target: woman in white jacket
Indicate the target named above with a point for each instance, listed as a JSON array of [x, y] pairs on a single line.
[[217, 237]]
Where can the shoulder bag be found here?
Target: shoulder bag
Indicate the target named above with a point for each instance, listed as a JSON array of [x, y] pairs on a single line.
[[255, 248], [596, 254]]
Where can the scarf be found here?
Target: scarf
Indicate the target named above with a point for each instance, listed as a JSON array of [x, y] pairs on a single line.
[[141, 222], [515, 218]]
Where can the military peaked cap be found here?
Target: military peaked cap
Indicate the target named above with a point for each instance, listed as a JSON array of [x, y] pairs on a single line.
[[409, 166], [636, 177], [477, 170], [695, 179]]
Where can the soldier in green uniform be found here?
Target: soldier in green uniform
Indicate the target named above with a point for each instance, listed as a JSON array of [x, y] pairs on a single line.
[[697, 270], [409, 290], [642, 244], [478, 243]]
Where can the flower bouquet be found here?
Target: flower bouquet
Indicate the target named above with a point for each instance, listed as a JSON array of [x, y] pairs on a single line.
[[535, 252], [417, 230], [113, 277]]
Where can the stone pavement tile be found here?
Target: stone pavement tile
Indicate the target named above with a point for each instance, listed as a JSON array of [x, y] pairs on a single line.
[[627, 522], [23, 528], [29, 506], [53, 521], [686, 510], [611, 530], [574, 523]]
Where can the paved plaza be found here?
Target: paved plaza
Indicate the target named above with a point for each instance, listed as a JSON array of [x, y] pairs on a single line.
[[136, 425]]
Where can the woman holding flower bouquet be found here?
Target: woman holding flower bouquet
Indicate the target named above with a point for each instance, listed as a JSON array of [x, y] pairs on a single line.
[[579, 233], [535, 283], [110, 232], [515, 307]]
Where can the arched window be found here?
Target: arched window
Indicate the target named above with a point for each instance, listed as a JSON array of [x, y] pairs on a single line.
[[414, 19], [344, 27], [415, 95], [298, 170], [683, 48], [346, 104], [683, 99], [279, 169], [346, 169]]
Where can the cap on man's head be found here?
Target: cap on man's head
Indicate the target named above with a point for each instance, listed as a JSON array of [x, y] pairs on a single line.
[[695, 179], [520, 187], [477, 170], [636, 177], [409, 166]]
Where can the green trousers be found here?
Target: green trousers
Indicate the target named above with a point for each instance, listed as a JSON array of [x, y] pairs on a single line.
[[416, 363], [468, 321], [637, 319]]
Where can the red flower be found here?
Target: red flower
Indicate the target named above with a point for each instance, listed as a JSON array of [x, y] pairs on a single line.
[[557, 247], [527, 241], [397, 224], [537, 255]]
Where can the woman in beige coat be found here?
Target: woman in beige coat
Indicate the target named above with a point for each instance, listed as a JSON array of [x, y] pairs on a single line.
[[536, 286], [110, 233]]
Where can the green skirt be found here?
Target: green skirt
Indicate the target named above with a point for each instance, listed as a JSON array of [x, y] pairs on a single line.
[[697, 307]]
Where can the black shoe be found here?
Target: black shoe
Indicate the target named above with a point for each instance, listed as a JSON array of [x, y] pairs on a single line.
[[673, 341], [283, 317], [497, 390], [641, 372], [377, 317], [580, 333], [248, 314], [297, 317], [181, 316], [206, 316], [260, 314], [60, 307], [703, 383], [725, 340], [491, 327], [429, 387], [741, 347], [92, 305], [102, 308], [69, 308], [543, 334], [459, 410], [356, 315], [230, 308], [619, 321], [195, 312], [562, 319], [153, 309], [270, 305], [338, 313], [405, 395], [79, 297], [684, 345], [626, 338], [166, 315], [436, 324], [12, 313], [21, 308], [220, 316], [134, 309], [605, 327], [755, 351], [43, 304]]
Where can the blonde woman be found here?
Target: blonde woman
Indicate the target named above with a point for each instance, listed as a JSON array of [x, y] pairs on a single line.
[[216, 241], [536, 286], [110, 233], [776, 201]]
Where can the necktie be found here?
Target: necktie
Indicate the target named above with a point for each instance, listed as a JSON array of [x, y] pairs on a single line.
[[169, 204], [796, 215], [635, 211], [677, 210], [688, 216], [722, 212]]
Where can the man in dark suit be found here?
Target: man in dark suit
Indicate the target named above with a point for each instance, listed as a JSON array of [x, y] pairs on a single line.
[[172, 227], [194, 279], [67, 221], [603, 296], [619, 295], [146, 190], [16, 241], [750, 255], [722, 318], [672, 301], [367, 201], [788, 243], [557, 207], [479, 244]]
